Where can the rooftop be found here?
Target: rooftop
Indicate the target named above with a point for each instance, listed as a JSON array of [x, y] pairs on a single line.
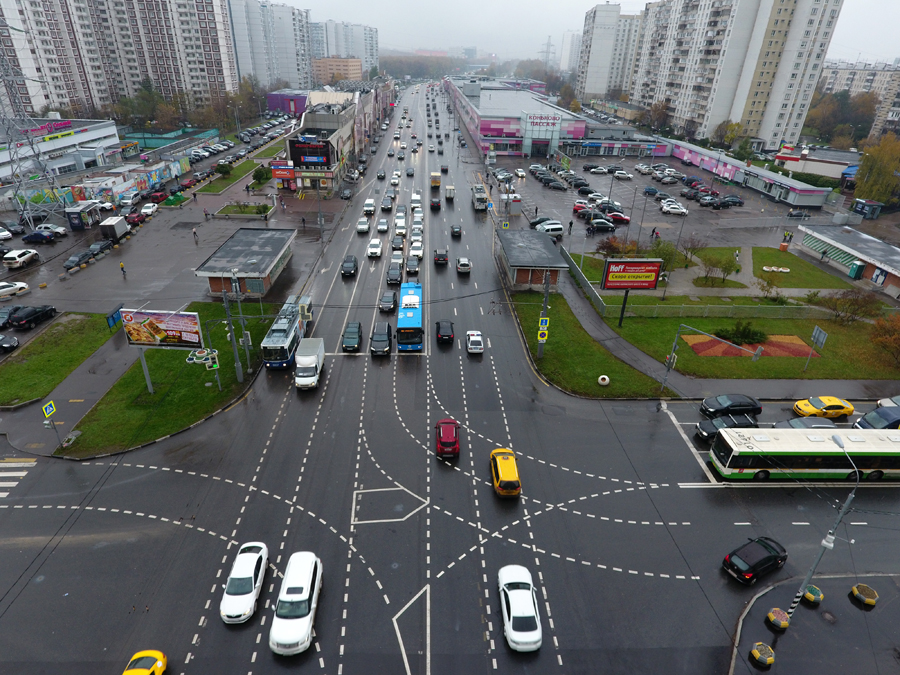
[[253, 251], [530, 249], [866, 248], [497, 100]]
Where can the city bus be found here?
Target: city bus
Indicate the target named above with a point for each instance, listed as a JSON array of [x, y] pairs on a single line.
[[410, 332], [280, 344], [759, 454]]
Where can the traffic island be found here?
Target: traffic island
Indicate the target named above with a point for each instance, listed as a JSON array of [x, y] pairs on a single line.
[[778, 618], [245, 210], [762, 654], [865, 595], [813, 595]]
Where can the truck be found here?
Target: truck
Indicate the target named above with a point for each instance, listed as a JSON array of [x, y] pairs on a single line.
[[435, 180], [479, 197], [114, 228], [449, 193], [310, 362]]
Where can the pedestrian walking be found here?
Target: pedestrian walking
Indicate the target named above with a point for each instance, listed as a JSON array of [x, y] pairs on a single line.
[[737, 255], [303, 221], [824, 253], [653, 233], [206, 214], [194, 196], [196, 236], [122, 267], [570, 227], [535, 211], [283, 207]]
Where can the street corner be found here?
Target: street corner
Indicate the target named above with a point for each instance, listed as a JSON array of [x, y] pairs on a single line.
[[839, 633]]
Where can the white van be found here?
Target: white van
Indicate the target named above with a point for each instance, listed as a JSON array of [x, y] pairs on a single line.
[[415, 202], [369, 207], [295, 609], [129, 199], [552, 227]]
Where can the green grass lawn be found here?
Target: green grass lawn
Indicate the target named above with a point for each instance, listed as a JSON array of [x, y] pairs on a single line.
[[803, 274], [245, 209], [848, 353], [35, 370], [716, 252], [184, 393], [237, 173], [271, 151], [636, 298], [572, 359], [592, 266]]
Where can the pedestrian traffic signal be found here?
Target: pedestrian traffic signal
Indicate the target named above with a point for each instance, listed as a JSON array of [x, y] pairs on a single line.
[[670, 361]]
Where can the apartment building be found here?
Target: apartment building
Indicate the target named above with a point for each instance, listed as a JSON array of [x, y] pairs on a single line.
[[570, 51], [860, 78], [750, 61], [609, 43], [327, 70], [272, 42], [345, 40]]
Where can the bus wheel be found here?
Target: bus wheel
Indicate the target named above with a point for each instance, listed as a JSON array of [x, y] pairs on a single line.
[[875, 475], [761, 475], [854, 475]]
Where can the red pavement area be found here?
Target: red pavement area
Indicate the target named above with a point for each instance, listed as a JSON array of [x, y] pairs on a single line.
[[777, 345]]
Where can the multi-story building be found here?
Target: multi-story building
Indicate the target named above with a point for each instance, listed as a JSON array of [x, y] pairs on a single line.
[[325, 71], [272, 42], [608, 46], [861, 78], [570, 51], [755, 62], [345, 40]]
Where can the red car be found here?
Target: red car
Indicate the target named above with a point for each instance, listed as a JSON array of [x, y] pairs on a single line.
[[135, 218], [158, 197], [579, 207], [708, 191], [618, 218], [446, 438], [189, 183]]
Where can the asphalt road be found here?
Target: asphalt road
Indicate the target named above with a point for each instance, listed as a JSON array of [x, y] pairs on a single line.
[[619, 521]]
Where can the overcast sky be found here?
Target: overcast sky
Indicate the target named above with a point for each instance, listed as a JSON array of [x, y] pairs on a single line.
[[520, 29]]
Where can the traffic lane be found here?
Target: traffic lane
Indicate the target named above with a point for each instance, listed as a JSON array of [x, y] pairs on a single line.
[[688, 412]]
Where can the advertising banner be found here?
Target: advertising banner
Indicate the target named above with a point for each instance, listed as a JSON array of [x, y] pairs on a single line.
[[173, 330], [305, 151], [282, 172], [631, 274]]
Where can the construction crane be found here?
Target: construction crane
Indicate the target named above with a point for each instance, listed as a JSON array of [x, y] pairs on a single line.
[[19, 133]]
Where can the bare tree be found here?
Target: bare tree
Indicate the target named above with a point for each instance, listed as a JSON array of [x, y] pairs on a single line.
[[659, 114], [692, 245], [852, 305]]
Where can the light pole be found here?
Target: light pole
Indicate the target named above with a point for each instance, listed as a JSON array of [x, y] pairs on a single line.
[[236, 287], [237, 119]]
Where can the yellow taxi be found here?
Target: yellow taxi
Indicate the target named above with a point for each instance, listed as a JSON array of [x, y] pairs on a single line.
[[505, 473], [149, 662], [823, 406]]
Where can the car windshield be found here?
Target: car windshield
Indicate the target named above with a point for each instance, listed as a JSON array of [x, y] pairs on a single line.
[[142, 663], [524, 624], [509, 485], [718, 423], [239, 586], [876, 420], [816, 402], [292, 609], [518, 586]]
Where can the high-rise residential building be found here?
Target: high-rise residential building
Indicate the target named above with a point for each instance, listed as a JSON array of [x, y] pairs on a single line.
[[345, 40], [755, 62], [881, 79], [272, 42], [570, 51], [608, 46]]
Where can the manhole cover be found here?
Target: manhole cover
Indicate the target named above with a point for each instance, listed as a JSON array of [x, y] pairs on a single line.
[[829, 617]]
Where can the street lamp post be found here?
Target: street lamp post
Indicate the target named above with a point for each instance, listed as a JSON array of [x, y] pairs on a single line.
[[237, 119]]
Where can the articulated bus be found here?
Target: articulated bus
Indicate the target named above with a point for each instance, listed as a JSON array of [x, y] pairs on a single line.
[[758, 454], [410, 333], [280, 343]]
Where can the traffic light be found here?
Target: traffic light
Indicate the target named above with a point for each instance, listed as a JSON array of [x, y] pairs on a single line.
[[213, 362], [670, 361]]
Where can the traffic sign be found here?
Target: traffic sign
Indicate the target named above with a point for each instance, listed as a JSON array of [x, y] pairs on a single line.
[[490, 205], [505, 226], [542, 335], [49, 409], [544, 322]]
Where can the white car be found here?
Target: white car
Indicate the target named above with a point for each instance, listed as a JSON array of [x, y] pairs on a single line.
[[600, 170], [5, 234], [295, 609], [596, 197], [11, 288], [891, 402], [403, 145], [374, 250], [417, 249], [520, 173], [430, 148], [397, 257], [519, 606], [675, 209], [20, 258], [622, 175], [149, 209], [55, 230], [400, 227], [362, 225], [244, 583], [416, 234], [395, 180], [383, 225], [474, 342], [641, 168]]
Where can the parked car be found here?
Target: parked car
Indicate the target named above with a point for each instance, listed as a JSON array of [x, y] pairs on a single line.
[[29, 317], [55, 230], [19, 258], [77, 259], [38, 238], [730, 404], [158, 197], [101, 246], [802, 215], [5, 313], [135, 218]]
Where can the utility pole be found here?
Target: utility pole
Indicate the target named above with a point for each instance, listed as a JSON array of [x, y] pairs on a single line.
[[238, 369], [544, 309], [547, 52]]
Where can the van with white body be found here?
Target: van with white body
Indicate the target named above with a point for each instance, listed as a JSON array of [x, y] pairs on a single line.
[[295, 609], [552, 227], [415, 201], [369, 207], [129, 199], [309, 361]]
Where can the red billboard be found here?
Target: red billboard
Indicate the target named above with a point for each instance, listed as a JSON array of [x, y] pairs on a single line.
[[283, 172], [620, 275]]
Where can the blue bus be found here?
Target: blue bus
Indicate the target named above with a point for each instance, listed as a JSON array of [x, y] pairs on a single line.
[[280, 343], [410, 334]]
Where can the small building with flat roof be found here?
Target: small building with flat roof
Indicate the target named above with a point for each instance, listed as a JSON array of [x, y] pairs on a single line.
[[859, 255], [524, 257], [254, 256]]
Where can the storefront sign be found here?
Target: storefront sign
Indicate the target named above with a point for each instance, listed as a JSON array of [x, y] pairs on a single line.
[[283, 172], [543, 121], [631, 274], [300, 173]]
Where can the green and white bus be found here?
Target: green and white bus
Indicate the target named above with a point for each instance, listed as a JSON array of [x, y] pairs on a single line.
[[759, 454]]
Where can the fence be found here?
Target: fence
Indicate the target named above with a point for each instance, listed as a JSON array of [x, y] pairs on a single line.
[[595, 299]]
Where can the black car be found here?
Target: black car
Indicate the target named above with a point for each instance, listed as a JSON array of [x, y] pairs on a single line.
[[707, 429], [456, 230], [388, 301], [380, 175], [585, 191], [350, 266], [346, 193], [806, 423], [412, 265], [38, 238], [757, 557], [13, 227], [352, 339], [659, 196], [693, 194], [5, 313], [537, 221], [29, 317], [394, 274], [101, 247], [730, 404], [614, 167], [733, 200], [601, 225], [387, 204], [880, 418], [8, 343], [436, 204], [444, 331], [410, 171], [77, 259], [382, 339], [556, 185], [445, 168], [397, 243], [588, 167], [718, 204]]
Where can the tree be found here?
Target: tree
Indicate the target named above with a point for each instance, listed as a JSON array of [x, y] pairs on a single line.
[[852, 305], [690, 129], [566, 95], [373, 72], [843, 142], [875, 178], [726, 133], [727, 266], [886, 334], [664, 250], [224, 169], [575, 106], [167, 117], [262, 174], [659, 114], [692, 245], [766, 284], [711, 266], [744, 150]]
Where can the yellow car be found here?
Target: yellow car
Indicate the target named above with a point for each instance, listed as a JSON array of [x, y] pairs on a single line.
[[150, 662], [505, 473], [823, 406]]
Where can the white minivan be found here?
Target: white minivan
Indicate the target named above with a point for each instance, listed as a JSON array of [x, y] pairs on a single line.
[[552, 227], [295, 609]]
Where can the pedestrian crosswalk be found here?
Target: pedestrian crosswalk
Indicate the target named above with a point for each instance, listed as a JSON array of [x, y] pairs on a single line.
[[12, 471]]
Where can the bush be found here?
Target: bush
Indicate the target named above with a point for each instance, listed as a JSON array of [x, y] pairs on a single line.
[[743, 333], [262, 174], [886, 334], [224, 169], [852, 305]]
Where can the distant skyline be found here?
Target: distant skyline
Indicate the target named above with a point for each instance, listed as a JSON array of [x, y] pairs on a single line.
[[865, 30]]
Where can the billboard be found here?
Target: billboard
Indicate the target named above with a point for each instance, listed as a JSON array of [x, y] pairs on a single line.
[[623, 275], [283, 172], [174, 330], [304, 151]]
